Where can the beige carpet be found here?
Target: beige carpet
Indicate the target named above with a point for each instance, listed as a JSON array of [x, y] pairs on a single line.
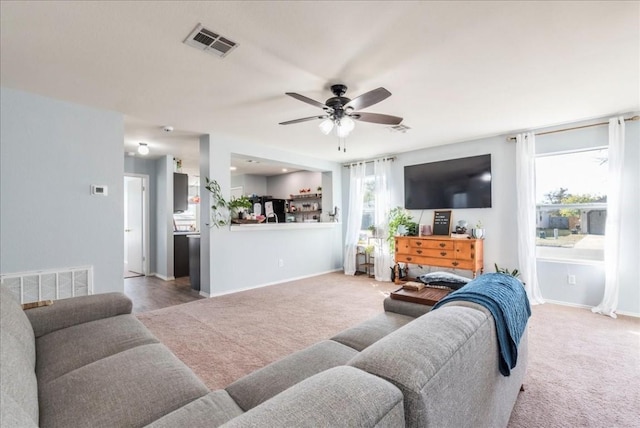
[[584, 369]]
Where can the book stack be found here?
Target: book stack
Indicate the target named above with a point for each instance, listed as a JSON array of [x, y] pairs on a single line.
[[413, 286]]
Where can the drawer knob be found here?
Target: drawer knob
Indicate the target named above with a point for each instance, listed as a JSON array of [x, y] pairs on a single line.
[[442, 244], [409, 259], [418, 243], [443, 253], [455, 263], [419, 251]]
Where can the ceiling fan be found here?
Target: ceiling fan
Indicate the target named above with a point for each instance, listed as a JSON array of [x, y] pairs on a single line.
[[340, 111]]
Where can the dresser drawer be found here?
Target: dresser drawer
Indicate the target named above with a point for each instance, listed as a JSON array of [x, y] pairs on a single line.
[[432, 252], [431, 243]]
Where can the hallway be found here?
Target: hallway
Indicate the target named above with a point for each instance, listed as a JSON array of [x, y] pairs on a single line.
[[149, 292]]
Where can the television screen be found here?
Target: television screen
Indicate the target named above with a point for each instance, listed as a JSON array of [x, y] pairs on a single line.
[[455, 183]]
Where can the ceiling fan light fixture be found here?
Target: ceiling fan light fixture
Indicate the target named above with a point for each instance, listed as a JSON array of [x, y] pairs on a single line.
[[326, 126], [143, 148], [345, 126]]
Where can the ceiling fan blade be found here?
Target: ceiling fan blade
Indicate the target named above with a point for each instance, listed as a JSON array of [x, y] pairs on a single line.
[[368, 99], [384, 119], [304, 119], [306, 99]]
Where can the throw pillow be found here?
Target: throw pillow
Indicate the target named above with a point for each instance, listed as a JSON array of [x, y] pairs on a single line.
[[445, 279]]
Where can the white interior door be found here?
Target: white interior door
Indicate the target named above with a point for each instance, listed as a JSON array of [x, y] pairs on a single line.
[[133, 225]]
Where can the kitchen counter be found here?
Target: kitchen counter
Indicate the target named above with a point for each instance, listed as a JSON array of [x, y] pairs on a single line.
[[281, 226], [178, 233]]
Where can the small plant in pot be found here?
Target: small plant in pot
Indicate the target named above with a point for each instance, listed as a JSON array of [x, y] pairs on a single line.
[[238, 205], [221, 209], [400, 223]]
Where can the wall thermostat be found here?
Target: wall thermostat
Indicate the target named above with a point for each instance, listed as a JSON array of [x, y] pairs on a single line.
[[99, 190]]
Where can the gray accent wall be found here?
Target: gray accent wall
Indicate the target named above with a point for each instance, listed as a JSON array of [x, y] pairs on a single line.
[[51, 152]]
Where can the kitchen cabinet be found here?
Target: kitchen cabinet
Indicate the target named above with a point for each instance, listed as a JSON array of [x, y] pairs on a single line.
[[180, 256], [180, 192]]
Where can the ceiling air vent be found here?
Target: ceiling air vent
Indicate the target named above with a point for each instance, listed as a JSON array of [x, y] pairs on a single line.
[[210, 42], [399, 128]]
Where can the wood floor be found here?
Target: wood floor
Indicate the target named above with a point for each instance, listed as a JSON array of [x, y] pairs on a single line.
[[149, 292]]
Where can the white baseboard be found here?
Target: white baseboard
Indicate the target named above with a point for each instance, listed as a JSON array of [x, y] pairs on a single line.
[[577, 305], [162, 277], [270, 283]]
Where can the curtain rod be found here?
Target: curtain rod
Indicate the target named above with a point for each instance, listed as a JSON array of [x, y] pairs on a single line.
[[576, 127], [350, 164]]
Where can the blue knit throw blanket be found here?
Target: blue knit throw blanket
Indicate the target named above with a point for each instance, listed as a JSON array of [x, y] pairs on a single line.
[[505, 297]]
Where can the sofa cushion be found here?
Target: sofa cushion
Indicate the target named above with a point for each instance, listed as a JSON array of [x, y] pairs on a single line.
[[132, 388], [90, 342], [18, 382], [210, 411], [338, 397], [432, 360], [372, 330], [257, 387]]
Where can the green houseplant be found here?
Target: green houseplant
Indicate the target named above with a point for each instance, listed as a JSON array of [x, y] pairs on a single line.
[[400, 223], [514, 273], [221, 209]]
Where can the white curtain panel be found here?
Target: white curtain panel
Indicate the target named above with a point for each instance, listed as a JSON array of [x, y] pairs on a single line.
[[609, 302], [382, 255], [526, 214], [354, 221]]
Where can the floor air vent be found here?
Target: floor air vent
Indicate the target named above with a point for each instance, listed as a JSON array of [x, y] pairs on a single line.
[[210, 42], [49, 284]]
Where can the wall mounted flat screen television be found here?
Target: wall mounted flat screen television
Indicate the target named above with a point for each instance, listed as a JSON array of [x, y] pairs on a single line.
[[455, 183]]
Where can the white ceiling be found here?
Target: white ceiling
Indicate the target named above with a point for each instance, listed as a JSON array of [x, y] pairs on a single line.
[[457, 70]]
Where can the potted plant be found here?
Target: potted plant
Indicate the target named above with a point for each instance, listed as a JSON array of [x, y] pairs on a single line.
[[238, 205], [400, 223], [478, 232], [221, 209], [514, 273]]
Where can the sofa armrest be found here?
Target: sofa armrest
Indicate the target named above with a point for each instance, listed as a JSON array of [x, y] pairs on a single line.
[[409, 309], [338, 397], [77, 310]]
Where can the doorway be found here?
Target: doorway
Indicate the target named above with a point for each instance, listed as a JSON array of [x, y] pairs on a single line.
[[136, 229]]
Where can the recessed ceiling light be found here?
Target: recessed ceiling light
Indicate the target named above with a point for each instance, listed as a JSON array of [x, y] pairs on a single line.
[[252, 161], [284, 170], [232, 168]]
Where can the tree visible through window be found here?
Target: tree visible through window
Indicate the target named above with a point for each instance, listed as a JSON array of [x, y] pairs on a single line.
[[571, 205]]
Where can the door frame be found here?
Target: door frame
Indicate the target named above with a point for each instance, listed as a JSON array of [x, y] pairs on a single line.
[[145, 219]]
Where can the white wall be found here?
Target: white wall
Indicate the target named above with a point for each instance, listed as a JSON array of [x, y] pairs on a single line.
[[51, 152], [245, 259], [285, 185], [251, 184]]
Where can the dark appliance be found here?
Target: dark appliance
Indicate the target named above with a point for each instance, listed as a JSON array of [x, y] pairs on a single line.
[[277, 207], [180, 192], [455, 183]]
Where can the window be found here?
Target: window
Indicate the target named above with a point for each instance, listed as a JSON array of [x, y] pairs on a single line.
[[571, 205]]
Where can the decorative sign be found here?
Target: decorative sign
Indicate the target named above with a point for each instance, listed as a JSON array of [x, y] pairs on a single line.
[[442, 223]]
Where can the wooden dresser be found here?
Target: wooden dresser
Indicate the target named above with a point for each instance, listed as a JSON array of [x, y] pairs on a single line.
[[441, 251]]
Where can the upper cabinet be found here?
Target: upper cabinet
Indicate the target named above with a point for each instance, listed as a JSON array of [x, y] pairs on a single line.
[[180, 192]]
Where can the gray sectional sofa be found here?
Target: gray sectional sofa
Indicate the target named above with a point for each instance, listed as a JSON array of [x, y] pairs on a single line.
[[88, 362]]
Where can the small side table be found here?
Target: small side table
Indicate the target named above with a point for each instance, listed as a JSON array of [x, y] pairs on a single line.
[[426, 296]]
